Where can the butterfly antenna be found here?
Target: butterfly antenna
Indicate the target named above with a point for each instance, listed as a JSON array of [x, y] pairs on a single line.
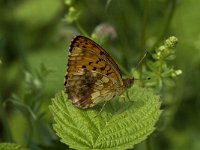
[[138, 64], [141, 60]]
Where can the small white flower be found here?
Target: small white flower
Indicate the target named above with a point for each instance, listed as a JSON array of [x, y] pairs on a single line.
[[178, 72], [161, 48]]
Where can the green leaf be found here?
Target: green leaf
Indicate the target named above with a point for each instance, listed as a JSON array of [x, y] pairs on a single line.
[[35, 13], [121, 124], [152, 66], [72, 15], [10, 146]]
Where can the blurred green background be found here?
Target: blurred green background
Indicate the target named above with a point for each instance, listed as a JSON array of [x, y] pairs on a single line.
[[34, 40]]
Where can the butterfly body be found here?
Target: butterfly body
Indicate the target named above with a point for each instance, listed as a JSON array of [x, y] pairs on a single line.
[[92, 75]]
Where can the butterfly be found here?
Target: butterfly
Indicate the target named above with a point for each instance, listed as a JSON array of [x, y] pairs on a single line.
[[92, 75]]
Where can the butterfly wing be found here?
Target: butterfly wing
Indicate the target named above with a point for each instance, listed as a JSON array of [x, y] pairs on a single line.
[[93, 76], [86, 88]]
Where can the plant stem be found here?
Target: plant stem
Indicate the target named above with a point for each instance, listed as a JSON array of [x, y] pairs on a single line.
[[81, 29], [30, 133], [168, 22], [6, 127], [143, 30]]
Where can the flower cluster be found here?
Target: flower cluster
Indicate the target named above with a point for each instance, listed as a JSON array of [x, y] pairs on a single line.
[[166, 51], [158, 69]]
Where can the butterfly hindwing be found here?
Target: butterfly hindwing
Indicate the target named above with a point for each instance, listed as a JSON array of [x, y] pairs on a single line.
[[87, 88]]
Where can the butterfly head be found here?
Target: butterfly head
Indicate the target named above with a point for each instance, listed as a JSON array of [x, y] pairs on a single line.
[[128, 82]]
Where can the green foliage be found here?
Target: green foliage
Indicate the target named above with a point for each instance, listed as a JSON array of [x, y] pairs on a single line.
[[36, 32], [73, 13], [158, 69], [10, 146], [34, 85], [30, 11], [26, 103], [121, 125]]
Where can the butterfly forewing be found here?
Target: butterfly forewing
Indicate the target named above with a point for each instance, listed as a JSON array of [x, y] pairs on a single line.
[[92, 75]]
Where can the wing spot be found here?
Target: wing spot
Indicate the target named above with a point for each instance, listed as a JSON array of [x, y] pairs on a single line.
[[108, 73], [90, 63], [102, 68], [98, 61], [83, 66], [108, 69], [94, 45], [94, 68]]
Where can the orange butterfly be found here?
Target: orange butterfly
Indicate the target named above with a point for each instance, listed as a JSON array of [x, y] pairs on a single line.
[[92, 75]]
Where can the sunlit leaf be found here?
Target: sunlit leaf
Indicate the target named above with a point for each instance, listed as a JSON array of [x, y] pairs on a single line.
[[121, 125]]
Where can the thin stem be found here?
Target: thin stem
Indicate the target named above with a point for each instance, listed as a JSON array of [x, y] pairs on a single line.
[[168, 22], [24, 106], [143, 30], [81, 29], [3, 116], [144, 25], [107, 5], [30, 132]]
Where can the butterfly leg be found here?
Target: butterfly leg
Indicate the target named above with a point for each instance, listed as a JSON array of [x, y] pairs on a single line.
[[125, 96], [101, 109], [128, 97]]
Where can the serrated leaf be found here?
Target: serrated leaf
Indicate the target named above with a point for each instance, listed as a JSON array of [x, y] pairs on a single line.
[[10, 146], [121, 125]]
